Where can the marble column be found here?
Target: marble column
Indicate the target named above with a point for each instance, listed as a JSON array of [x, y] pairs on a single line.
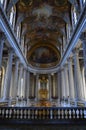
[[50, 95], [63, 91], [78, 77], [2, 39], [15, 85], [27, 84], [59, 84], [83, 38], [71, 79], [37, 80], [24, 83], [66, 80], [53, 86], [19, 80], [8, 76]]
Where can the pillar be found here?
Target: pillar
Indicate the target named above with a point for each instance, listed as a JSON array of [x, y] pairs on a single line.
[[15, 85], [59, 84], [83, 38], [19, 80], [71, 79], [53, 86], [50, 95], [78, 78], [37, 80], [24, 83], [63, 91], [27, 83], [8, 76], [66, 80], [2, 39]]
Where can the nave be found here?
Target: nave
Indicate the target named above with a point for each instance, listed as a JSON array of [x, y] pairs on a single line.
[[43, 61]]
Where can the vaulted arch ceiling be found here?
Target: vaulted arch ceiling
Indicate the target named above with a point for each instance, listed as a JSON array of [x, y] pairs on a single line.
[[44, 25]]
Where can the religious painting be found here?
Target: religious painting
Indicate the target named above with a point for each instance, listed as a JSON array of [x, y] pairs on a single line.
[[44, 55]]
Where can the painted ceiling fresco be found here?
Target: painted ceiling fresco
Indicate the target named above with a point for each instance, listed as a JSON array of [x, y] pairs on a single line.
[[44, 20], [44, 55]]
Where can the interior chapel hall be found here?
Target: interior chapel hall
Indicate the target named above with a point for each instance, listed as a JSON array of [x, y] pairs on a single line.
[[43, 62]]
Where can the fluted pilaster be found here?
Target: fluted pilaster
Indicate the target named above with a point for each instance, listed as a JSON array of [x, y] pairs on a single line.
[[71, 79], [2, 40], [63, 91], [8, 76], [78, 78], [28, 84], [83, 38], [49, 78], [19, 80], [66, 80], [15, 85]]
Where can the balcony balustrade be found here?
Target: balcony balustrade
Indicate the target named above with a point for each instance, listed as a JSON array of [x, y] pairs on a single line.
[[43, 113]]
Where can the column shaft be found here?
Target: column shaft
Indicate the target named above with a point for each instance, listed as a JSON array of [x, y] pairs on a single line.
[[71, 79], [2, 39], [59, 84], [28, 84], [19, 82], [66, 80], [78, 78], [49, 77], [24, 83], [15, 86], [8, 76], [63, 83]]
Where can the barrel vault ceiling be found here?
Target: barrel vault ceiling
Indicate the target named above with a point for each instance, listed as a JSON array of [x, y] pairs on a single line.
[[44, 25]]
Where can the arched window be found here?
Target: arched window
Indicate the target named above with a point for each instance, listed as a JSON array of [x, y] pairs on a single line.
[[12, 16], [68, 31], [18, 31], [83, 1], [4, 3], [74, 16]]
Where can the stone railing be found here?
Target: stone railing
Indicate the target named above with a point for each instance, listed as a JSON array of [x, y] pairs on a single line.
[[34, 113]]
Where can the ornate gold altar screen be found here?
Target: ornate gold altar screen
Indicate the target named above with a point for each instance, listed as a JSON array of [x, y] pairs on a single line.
[[43, 92]]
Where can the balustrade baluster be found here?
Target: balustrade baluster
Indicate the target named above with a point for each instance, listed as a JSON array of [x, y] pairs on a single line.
[[62, 114], [66, 114], [73, 113], [14, 113], [25, 112], [3, 113], [58, 113], [77, 113], [28, 113], [51, 114], [70, 112], [17, 114], [84, 111], [10, 113], [36, 114], [7, 113], [21, 113]]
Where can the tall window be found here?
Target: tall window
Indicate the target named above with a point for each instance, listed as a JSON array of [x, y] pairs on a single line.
[[74, 16], [83, 1], [12, 16], [18, 31], [4, 3]]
